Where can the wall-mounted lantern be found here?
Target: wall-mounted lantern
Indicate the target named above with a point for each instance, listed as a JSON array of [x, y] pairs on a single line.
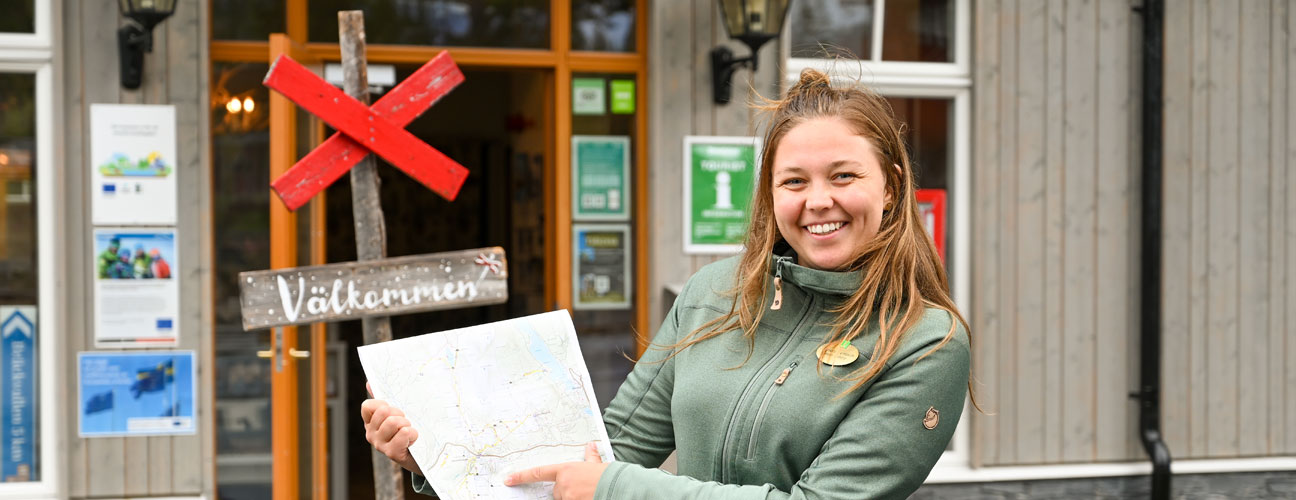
[[136, 37], [752, 22]]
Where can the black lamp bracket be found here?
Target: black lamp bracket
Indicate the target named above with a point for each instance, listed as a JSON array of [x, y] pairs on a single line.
[[724, 64], [132, 42]]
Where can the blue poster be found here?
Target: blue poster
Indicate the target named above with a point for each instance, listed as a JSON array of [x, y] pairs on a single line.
[[18, 393], [136, 394]]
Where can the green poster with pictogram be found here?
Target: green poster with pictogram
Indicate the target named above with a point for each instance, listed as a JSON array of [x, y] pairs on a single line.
[[720, 176]]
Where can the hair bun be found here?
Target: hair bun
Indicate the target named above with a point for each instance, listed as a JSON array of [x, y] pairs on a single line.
[[811, 79]]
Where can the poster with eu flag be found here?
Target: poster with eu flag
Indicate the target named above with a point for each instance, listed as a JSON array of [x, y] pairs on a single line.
[[136, 394], [18, 394]]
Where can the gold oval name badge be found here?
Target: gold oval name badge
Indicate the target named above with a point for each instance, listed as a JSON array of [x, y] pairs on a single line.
[[838, 355]]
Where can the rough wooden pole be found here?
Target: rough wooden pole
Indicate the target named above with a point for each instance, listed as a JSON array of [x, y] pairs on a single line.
[[370, 231]]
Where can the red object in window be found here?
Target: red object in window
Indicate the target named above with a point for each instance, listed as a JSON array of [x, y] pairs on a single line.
[[931, 208]]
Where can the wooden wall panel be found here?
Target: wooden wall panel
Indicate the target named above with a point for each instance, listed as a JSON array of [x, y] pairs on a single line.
[[175, 72], [1290, 217], [1228, 230], [1055, 171], [76, 321], [1054, 308], [681, 37], [1176, 232], [1253, 251], [1222, 200], [1197, 206], [1276, 185], [186, 86], [1029, 200], [1116, 244], [985, 317], [1080, 224], [1006, 219]]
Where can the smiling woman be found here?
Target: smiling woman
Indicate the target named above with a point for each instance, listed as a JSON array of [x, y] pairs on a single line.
[[837, 274]]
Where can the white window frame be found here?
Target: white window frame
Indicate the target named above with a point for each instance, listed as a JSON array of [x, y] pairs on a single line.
[[34, 54], [947, 80], [30, 46]]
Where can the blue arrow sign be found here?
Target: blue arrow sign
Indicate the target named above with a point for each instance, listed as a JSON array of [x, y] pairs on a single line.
[[18, 372]]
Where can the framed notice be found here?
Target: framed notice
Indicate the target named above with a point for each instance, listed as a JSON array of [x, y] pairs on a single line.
[[137, 294], [136, 394], [931, 208], [589, 96], [601, 276], [133, 164], [720, 175], [600, 178]]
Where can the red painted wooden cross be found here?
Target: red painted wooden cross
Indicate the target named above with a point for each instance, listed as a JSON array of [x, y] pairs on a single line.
[[378, 129]]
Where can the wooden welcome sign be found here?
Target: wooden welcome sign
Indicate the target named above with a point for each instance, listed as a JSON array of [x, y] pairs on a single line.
[[353, 290]]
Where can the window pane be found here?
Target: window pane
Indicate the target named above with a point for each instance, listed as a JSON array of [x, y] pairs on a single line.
[[606, 334], [18, 17], [929, 135], [605, 25], [826, 28], [919, 30], [240, 174], [247, 19], [18, 279], [514, 24]]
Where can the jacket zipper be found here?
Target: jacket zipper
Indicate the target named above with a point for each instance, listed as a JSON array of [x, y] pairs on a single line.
[[726, 449], [778, 284], [760, 413]]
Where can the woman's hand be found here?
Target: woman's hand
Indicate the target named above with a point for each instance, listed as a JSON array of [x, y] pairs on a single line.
[[387, 429], [572, 480]]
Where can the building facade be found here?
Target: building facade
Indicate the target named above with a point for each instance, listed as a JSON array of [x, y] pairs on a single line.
[[1022, 116]]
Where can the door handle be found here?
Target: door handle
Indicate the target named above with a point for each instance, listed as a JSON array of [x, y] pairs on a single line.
[[273, 352]]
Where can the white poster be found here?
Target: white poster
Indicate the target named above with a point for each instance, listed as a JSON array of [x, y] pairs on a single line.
[[132, 164], [137, 294]]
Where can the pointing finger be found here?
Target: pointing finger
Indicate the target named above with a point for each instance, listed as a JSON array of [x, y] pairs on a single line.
[[592, 453], [536, 475]]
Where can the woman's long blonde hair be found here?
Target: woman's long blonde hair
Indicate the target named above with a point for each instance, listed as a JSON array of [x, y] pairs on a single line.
[[903, 274]]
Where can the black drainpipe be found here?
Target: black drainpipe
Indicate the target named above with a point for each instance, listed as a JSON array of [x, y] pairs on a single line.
[[1149, 391]]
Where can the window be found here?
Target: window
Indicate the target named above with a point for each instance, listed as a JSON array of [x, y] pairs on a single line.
[[915, 53], [28, 323], [29, 380]]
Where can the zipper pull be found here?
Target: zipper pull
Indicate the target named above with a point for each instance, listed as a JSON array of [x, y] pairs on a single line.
[[778, 285], [782, 376], [778, 294]]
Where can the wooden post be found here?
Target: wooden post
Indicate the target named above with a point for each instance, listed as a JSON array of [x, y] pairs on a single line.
[[370, 231]]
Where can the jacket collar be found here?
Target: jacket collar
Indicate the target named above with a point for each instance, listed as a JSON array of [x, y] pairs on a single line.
[[832, 283]]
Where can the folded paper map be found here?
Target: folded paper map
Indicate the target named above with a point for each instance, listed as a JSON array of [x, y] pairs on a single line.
[[490, 400]]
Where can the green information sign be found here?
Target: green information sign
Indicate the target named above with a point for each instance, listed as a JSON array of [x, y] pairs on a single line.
[[623, 97], [719, 179], [600, 178]]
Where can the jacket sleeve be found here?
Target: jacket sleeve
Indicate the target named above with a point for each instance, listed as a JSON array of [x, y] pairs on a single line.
[[638, 419], [881, 450]]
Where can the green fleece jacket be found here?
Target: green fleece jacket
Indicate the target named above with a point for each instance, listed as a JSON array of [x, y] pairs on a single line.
[[741, 433]]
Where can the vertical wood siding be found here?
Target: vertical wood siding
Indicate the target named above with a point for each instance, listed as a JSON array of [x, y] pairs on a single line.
[[1055, 246], [174, 73], [1228, 390], [1056, 171], [679, 58]]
